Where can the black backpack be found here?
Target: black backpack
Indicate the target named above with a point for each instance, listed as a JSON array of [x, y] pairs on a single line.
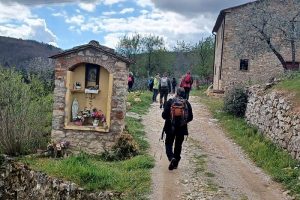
[[179, 112]]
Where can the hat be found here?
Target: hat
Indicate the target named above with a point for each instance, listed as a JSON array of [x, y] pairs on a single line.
[[180, 92]]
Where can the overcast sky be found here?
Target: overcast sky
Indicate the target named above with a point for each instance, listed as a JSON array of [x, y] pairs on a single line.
[[67, 23]]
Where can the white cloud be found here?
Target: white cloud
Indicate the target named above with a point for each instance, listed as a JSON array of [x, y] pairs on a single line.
[[57, 14], [144, 12], [109, 13], [23, 24], [76, 20], [144, 3], [12, 30], [112, 39], [60, 14], [40, 31], [90, 7], [7, 12], [169, 25], [111, 2], [127, 10]]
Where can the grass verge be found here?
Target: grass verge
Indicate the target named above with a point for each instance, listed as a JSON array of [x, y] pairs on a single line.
[[130, 177], [139, 107], [275, 161], [291, 85]]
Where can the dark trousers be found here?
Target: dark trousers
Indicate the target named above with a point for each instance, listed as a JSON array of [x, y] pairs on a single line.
[[173, 89], [163, 95], [177, 148], [130, 84], [187, 92], [155, 93]]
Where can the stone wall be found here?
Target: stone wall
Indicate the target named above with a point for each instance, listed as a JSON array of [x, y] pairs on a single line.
[[274, 115], [89, 141], [17, 181]]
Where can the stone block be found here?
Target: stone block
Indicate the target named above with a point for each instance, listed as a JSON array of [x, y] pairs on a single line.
[[57, 134]]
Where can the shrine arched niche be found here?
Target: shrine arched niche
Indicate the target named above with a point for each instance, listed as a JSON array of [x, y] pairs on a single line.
[[88, 97]]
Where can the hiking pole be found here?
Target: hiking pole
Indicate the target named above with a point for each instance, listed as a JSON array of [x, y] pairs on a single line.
[[162, 135], [162, 139]]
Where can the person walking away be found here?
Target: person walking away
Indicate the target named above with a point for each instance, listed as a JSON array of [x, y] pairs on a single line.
[[187, 83], [177, 114], [130, 81], [155, 87], [164, 89], [150, 84], [174, 84]]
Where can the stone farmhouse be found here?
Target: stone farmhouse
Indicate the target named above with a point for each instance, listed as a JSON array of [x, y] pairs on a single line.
[[230, 69]]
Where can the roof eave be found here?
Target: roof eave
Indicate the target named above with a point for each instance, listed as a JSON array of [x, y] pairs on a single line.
[[82, 47], [224, 11], [219, 21]]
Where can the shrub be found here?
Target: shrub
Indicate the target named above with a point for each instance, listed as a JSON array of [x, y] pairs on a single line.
[[124, 148], [235, 101], [25, 114]]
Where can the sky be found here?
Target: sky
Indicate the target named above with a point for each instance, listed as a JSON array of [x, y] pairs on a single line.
[[69, 23]]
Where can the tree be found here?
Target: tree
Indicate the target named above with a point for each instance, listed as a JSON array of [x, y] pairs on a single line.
[[202, 56], [130, 46], [150, 44], [269, 26]]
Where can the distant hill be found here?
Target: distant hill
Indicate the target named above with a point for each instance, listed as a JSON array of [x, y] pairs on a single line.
[[30, 58], [26, 54]]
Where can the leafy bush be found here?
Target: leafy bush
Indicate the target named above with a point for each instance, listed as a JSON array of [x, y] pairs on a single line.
[[235, 101], [124, 148], [25, 114]]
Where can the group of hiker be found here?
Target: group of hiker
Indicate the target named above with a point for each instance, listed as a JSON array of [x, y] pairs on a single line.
[[163, 85], [177, 111]]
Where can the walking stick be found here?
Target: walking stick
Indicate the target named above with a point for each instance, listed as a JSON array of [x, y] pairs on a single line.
[[162, 134]]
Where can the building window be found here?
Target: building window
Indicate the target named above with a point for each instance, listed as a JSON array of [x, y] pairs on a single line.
[[291, 66], [244, 64]]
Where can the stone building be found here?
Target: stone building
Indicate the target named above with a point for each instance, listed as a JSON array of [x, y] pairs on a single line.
[[89, 97], [231, 69]]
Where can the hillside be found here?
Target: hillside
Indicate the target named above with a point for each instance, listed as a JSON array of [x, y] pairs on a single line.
[[26, 54]]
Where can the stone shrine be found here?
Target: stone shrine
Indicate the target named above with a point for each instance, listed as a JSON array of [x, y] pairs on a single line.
[[89, 97]]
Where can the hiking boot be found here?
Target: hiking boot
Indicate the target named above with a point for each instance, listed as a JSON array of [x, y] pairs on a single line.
[[175, 164], [172, 164]]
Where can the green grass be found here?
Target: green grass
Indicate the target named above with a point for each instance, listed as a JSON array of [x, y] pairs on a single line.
[[142, 106], [130, 177], [199, 92], [275, 161], [209, 174], [291, 84], [136, 129]]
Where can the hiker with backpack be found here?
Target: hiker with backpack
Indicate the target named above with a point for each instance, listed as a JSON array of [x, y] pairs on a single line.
[[164, 89], [177, 114], [155, 87], [174, 84], [187, 83], [130, 81], [150, 83]]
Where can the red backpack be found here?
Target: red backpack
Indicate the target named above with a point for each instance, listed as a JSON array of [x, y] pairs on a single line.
[[179, 112], [188, 79]]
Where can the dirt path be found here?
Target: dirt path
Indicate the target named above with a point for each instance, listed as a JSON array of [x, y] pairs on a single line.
[[212, 166]]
